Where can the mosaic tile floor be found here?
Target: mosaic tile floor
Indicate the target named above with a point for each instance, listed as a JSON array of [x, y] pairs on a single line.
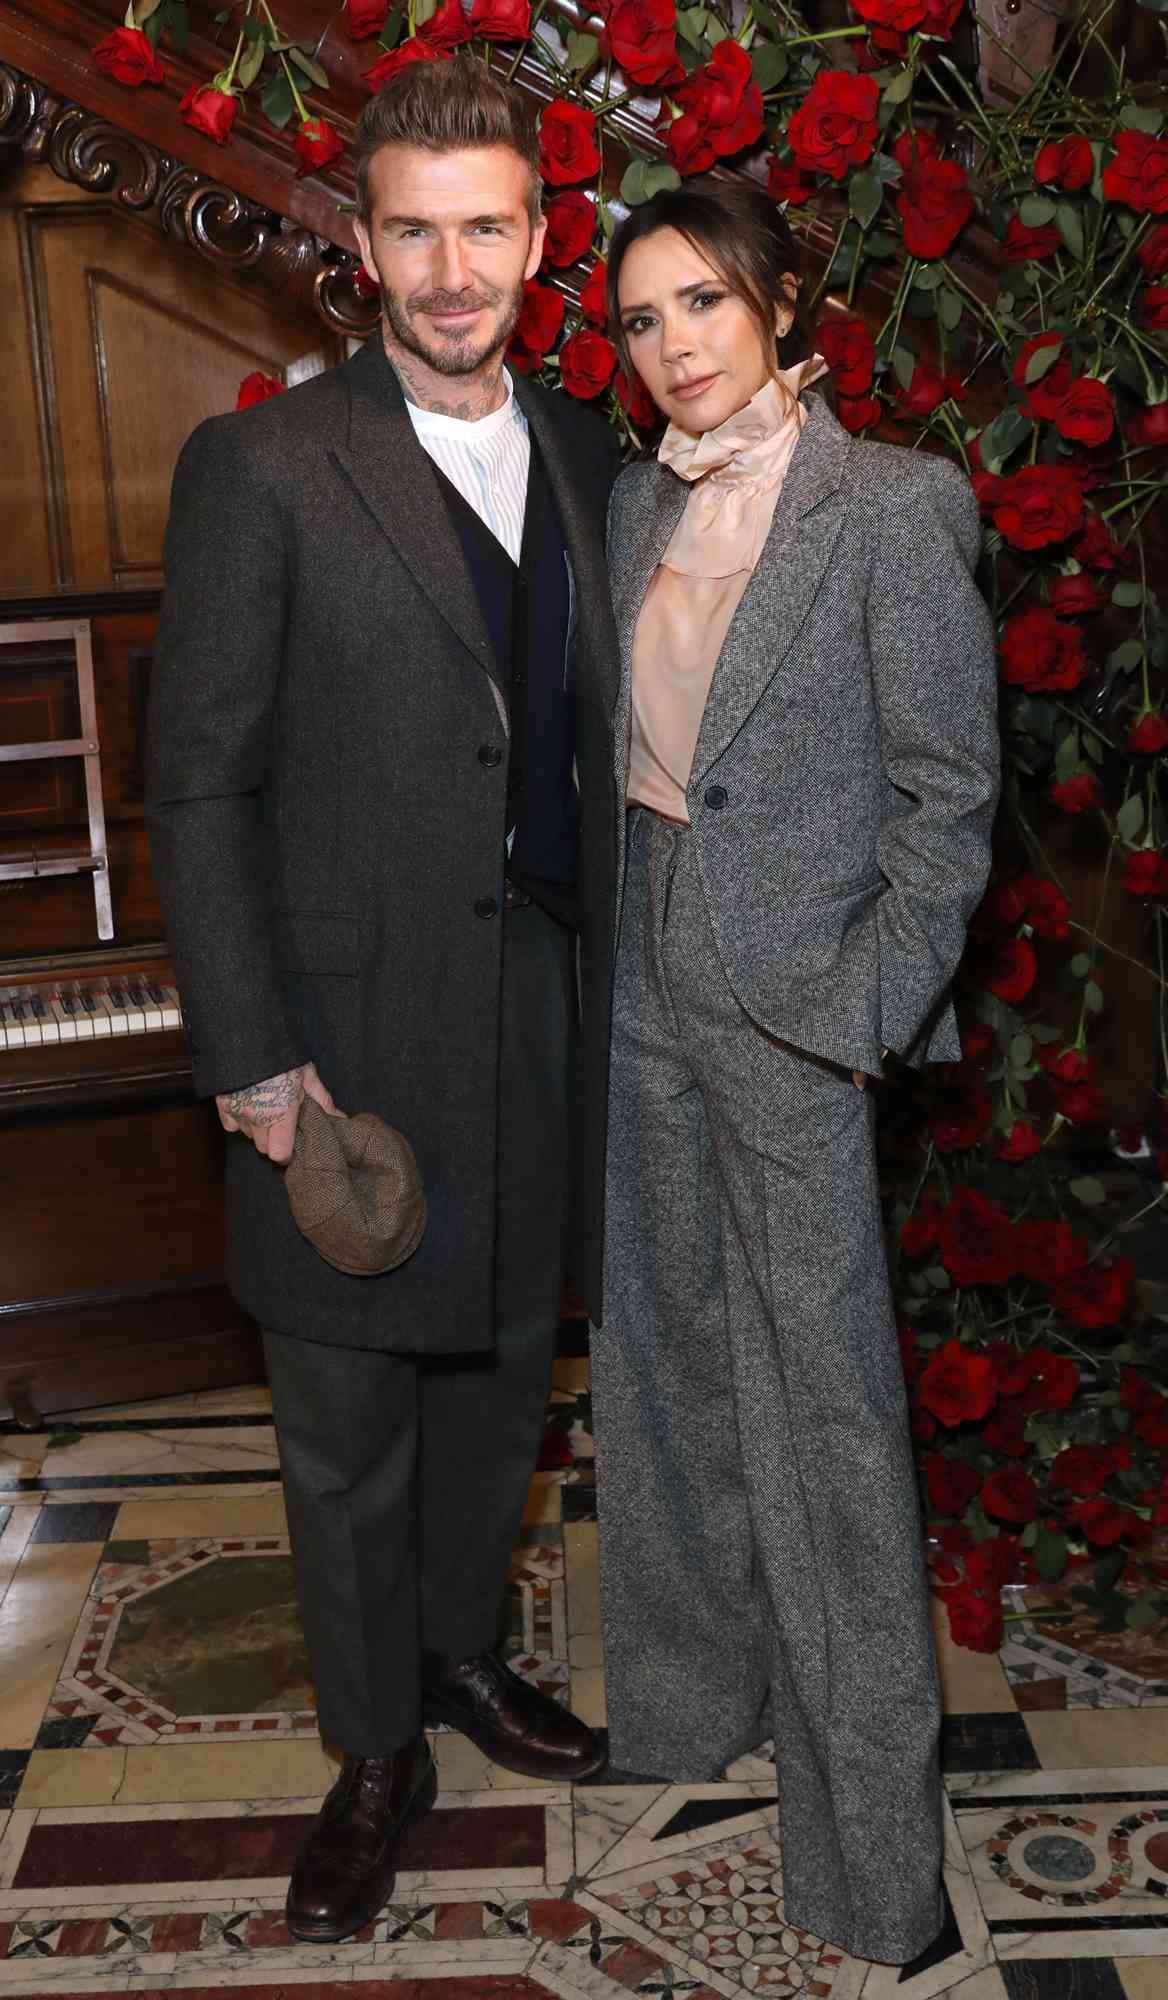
[[159, 1757]]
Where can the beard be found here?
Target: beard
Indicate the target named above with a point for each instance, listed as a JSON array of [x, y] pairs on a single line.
[[454, 353]]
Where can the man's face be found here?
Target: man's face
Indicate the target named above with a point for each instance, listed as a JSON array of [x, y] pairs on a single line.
[[450, 240]]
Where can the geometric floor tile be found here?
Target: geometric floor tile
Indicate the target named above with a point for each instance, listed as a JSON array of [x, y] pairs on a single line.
[[1071, 1665], [986, 1743], [1069, 1864]]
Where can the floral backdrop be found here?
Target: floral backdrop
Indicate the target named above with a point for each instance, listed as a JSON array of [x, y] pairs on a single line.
[[996, 289]]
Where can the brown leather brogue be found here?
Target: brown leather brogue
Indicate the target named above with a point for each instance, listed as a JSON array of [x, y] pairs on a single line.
[[345, 1869], [511, 1722]]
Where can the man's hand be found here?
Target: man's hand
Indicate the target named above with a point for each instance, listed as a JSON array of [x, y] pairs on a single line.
[[267, 1113]]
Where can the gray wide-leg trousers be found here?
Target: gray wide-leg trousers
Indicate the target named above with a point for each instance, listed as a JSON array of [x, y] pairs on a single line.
[[405, 1479], [761, 1558]]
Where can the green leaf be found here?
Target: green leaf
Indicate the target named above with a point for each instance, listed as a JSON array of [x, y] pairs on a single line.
[[253, 27], [865, 194], [899, 88], [424, 10], [1093, 997], [1042, 361], [1001, 438], [1070, 228], [691, 25], [179, 25], [1128, 594], [949, 308], [1127, 657], [312, 70], [1050, 1554], [1155, 6], [1088, 1191], [881, 243], [224, 14], [1035, 210], [277, 101], [1093, 747], [1146, 1612], [1080, 965], [1066, 756], [643, 179], [903, 365], [886, 169], [715, 32], [582, 52], [928, 278], [1141, 118], [1107, 1571], [1021, 1050], [769, 63], [143, 10], [251, 63], [1129, 819], [388, 38]]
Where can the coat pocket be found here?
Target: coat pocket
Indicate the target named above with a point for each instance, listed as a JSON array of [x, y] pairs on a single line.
[[316, 942]]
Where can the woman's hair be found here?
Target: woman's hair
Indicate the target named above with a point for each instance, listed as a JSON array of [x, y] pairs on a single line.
[[746, 237], [447, 107]]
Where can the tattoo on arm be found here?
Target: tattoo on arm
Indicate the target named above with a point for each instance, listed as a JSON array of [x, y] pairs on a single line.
[[263, 1103]]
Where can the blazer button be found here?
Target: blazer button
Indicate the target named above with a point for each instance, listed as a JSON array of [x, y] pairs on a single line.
[[490, 755], [486, 907], [715, 797]]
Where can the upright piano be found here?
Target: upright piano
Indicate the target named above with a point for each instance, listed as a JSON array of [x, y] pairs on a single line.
[[111, 1175]]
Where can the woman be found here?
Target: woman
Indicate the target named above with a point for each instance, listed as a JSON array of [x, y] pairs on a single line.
[[806, 742]]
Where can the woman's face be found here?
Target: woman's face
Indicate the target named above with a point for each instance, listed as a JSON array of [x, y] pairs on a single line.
[[695, 344]]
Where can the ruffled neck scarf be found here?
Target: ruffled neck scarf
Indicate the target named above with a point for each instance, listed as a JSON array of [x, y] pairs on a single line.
[[723, 529]]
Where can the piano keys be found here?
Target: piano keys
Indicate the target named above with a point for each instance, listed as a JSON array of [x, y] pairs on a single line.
[[38, 1016]]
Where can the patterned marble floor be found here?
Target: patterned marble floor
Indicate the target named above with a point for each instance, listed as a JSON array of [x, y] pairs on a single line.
[[159, 1758]]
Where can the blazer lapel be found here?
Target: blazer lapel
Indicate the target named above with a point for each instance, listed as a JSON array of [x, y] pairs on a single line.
[[631, 567], [383, 460], [585, 545], [787, 575]]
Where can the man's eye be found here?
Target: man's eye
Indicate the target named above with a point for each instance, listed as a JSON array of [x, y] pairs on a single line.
[[488, 228]]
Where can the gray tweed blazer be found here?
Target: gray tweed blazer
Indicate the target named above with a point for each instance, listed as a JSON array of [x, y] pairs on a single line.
[[847, 769]]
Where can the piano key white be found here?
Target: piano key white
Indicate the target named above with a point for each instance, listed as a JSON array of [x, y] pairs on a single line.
[[81, 1010]]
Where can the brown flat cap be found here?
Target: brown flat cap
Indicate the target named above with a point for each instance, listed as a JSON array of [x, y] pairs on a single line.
[[355, 1190]]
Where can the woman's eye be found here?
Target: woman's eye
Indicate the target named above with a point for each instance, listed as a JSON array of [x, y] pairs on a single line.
[[705, 300], [638, 324]]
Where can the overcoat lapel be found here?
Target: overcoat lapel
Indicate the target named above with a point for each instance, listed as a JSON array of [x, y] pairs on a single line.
[[631, 567], [383, 460]]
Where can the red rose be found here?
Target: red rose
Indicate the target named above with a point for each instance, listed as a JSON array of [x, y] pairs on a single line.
[[209, 111], [1081, 1104], [1048, 910], [940, 18], [639, 36], [722, 111], [977, 1245], [317, 145], [898, 15], [856, 413], [977, 1040], [985, 486], [1042, 398], [1048, 1251], [689, 146], [1149, 734], [1097, 548], [1009, 1494], [935, 204], [571, 222], [1005, 1432], [1097, 1295], [415, 50], [1071, 596], [587, 361], [1154, 310], [974, 1621], [1012, 971], [991, 1564], [567, 143], [1082, 1469], [1145, 873], [919, 1231], [1040, 652], [1152, 1424], [635, 400], [835, 126], [555, 1452], [951, 1484], [1054, 1381], [1103, 1523], [1038, 505], [501, 20], [594, 294], [1082, 793], [961, 1118], [540, 318], [927, 390], [1022, 245], [912, 149], [1138, 173], [849, 350], [365, 17], [447, 28], [1020, 1143], [257, 388], [127, 56], [785, 182], [957, 1385], [1150, 426], [1086, 414], [1064, 1065], [1065, 163], [1153, 251]]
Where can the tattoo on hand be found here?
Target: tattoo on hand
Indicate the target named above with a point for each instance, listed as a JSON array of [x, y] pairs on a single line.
[[263, 1103]]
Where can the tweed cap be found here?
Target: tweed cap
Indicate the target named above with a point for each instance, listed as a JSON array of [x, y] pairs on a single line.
[[355, 1190]]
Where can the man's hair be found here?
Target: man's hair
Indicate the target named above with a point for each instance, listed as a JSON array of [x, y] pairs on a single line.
[[448, 107]]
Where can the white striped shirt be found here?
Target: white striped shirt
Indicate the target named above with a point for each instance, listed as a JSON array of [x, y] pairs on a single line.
[[486, 459]]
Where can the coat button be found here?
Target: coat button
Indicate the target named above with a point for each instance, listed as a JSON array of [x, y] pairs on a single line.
[[486, 907], [715, 797], [490, 755]]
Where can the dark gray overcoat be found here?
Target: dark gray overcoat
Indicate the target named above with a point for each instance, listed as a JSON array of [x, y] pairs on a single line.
[[328, 841]]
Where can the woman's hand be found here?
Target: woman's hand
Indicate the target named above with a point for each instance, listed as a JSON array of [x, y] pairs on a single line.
[[860, 1077]]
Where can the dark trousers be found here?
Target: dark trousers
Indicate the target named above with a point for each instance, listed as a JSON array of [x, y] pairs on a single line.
[[405, 1479]]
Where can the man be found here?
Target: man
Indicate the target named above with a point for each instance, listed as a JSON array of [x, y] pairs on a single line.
[[383, 687]]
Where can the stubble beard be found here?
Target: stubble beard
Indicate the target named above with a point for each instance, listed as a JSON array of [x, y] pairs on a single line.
[[454, 355]]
